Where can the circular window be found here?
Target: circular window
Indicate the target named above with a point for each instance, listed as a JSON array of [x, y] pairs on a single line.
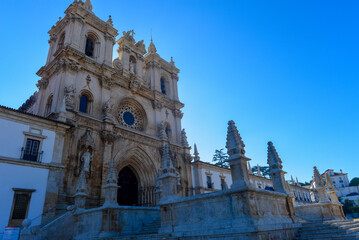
[[130, 116]]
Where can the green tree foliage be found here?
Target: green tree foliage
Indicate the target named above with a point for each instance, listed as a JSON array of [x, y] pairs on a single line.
[[220, 157], [354, 182], [264, 170], [349, 206]]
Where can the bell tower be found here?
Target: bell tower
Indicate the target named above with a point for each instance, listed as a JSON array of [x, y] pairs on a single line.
[[78, 42]]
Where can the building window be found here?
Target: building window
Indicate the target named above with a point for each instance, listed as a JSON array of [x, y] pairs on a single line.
[[20, 206], [48, 105], [163, 86], [209, 182], [83, 103], [90, 47], [31, 150]]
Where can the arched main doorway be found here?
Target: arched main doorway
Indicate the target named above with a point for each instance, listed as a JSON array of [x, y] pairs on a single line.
[[127, 193]]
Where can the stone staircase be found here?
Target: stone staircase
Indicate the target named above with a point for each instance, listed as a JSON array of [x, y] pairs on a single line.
[[334, 229], [151, 228]]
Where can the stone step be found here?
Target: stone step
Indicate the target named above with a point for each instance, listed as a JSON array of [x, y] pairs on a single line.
[[151, 228]]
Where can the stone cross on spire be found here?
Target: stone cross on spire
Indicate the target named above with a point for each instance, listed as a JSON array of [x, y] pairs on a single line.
[[275, 170], [196, 154], [237, 160]]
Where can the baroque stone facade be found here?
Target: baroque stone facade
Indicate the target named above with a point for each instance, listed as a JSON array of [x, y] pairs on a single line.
[[116, 107]]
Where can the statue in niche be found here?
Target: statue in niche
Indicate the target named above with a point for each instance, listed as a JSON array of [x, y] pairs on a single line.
[[107, 110], [86, 160], [70, 97], [132, 67]]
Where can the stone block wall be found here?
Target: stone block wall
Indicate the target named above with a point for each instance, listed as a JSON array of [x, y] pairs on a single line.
[[248, 213], [320, 211]]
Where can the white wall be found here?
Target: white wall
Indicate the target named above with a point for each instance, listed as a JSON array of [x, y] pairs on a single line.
[[12, 140], [216, 180], [16, 176]]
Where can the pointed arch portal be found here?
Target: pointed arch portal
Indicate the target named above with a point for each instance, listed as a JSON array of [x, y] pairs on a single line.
[[127, 193]]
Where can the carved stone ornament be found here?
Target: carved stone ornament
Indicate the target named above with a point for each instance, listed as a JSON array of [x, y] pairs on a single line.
[[106, 82], [135, 85], [184, 138], [107, 111], [162, 131], [86, 160], [129, 36], [156, 104], [65, 63], [108, 136], [87, 141], [70, 97], [42, 83], [117, 64], [178, 113], [141, 47]]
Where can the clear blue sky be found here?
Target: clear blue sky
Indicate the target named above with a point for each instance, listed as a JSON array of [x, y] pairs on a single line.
[[284, 71]]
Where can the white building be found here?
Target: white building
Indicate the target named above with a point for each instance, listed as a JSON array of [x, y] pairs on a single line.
[[30, 151]]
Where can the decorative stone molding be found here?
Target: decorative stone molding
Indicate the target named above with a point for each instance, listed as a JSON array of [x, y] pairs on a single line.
[[108, 137], [156, 104], [134, 85], [70, 64], [178, 113], [184, 141], [70, 97], [106, 82], [42, 83]]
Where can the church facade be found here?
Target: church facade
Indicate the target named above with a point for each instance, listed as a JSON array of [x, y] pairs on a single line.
[[122, 109], [120, 160]]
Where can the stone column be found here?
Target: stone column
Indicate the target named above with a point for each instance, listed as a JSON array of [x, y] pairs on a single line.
[[81, 191], [108, 138], [237, 160], [167, 177], [319, 185], [275, 169], [111, 186]]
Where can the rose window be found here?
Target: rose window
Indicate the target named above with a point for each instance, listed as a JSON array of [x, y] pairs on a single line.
[[131, 117]]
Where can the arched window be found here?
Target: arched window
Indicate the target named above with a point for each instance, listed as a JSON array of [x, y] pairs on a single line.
[[61, 41], [90, 47], [163, 85], [48, 105], [84, 102]]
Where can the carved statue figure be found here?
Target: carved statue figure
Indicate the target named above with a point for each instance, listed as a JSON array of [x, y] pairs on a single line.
[[70, 97], [132, 67], [86, 160], [141, 46], [162, 133], [129, 36], [107, 110]]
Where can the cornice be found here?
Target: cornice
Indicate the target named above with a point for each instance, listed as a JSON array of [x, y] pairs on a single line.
[[20, 162]]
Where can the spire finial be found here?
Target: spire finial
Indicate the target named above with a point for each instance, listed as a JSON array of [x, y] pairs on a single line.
[[88, 5], [317, 178], [151, 47], [234, 144], [273, 157], [250, 168], [196, 154], [109, 21], [330, 185]]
